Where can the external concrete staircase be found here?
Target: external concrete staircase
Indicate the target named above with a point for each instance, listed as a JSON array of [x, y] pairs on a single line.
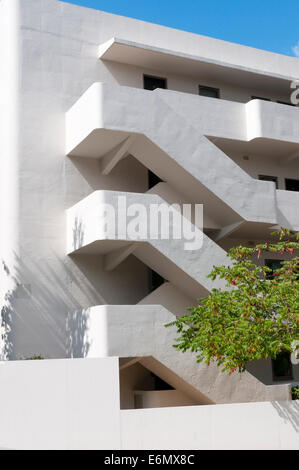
[[169, 133], [139, 331], [88, 232]]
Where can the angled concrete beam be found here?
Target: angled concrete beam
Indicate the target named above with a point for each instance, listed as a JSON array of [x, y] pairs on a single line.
[[127, 362], [112, 158], [226, 231], [113, 259]]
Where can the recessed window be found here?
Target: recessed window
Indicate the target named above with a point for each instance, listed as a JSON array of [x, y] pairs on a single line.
[[260, 98], [282, 367], [209, 91], [269, 178], [291, 185], [151, 83]]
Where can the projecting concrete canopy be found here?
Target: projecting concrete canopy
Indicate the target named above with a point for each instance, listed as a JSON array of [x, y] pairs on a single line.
[[176, 62]]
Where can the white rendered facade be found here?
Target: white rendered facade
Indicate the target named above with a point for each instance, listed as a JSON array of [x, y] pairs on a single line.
[[77, 128]]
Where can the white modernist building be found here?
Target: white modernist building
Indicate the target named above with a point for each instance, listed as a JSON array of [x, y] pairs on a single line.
[[95, 107]]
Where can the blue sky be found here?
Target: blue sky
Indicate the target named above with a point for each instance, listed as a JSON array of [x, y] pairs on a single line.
[[266, 24]]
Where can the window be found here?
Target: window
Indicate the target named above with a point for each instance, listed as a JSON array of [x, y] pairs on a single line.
[[282, 367], [151, 83], [291, 185], [260, 98], [274, 265], [269, 178], [209, 91]]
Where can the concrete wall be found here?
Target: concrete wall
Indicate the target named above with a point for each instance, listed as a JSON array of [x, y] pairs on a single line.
[[272, 426], [60, 404], [56, 53], [74, 404]]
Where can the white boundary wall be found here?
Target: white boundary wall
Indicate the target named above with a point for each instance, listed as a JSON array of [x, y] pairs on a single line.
[[74, 404], [264, 425], [60, 404]]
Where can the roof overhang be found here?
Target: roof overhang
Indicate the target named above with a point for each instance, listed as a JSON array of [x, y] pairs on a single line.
[[167, 61]]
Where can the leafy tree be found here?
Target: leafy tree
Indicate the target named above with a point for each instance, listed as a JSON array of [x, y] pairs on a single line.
[[295, 393], [34, 358], [255, 317]]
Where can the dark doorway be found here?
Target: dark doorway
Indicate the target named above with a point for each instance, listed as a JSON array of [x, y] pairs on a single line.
[[151, 83]]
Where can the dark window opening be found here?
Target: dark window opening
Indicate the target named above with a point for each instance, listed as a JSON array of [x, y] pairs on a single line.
[[155, 280], [282, 367], [269, 178], [260, 98], [291, 185], [159, 384], [153, 179], [209, 91], [151, 83], [274, 265]]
